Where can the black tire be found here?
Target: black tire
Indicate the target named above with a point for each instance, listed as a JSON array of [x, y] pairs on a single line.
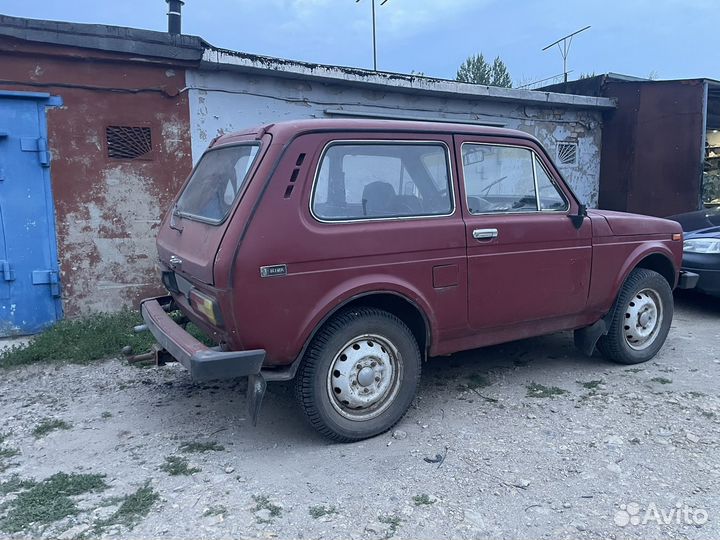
[[622, 344], [378, 332]]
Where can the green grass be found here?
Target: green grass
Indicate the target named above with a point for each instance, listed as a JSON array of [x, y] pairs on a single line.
[[133, 509], [536, 390], [393, 521], [8, 452], [319, 511], [592, 385], [81, 340], [178, 466], [422, 499], [661, 380], [47, 501], [15, 484], [262, 502], [106, 415], [48, 425], [196, 447]]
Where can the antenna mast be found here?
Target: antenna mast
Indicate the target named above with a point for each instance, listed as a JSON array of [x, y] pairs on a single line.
[[564, 45], [374, 31]]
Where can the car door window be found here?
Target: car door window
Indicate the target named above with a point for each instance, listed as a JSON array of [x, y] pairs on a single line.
[[382, 180], [550, 197], [498, 179]]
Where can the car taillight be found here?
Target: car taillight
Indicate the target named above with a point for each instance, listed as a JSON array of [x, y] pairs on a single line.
[[206, 306]]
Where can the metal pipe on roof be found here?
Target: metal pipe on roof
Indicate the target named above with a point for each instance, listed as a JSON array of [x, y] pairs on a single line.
[[175, 16]]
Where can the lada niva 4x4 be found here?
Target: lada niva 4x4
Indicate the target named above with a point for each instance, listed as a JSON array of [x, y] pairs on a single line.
[[343, 253]]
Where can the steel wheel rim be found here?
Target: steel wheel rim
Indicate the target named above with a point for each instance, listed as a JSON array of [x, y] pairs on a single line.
[[364, 377], [643, 319]]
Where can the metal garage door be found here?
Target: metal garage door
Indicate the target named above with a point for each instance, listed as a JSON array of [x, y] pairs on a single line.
[[29, 285]]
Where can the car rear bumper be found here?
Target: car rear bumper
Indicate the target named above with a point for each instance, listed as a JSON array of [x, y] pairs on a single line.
[[203, 363]]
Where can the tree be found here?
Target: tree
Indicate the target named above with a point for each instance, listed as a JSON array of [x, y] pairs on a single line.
[[500, 74], [476, 70]]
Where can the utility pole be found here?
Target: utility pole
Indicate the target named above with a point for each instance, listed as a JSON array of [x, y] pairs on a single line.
[[374, 31], [564, 45]]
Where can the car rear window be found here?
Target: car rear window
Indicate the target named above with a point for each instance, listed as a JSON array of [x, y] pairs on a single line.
[[377, 180], [216, 182]]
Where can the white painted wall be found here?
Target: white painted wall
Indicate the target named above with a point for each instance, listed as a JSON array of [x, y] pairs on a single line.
[[224, 101]]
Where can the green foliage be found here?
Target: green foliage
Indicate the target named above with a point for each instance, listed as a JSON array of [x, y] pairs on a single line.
[[47, 501], [178, 466], [319, 511], [262, 502], [196, 447], [393, 521], [476, 70], [48, 425], [81, 340], [134, 508], [537, 390], [15, 484], [422, 499]]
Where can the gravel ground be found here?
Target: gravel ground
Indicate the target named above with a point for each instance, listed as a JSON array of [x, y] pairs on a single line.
[[480, 454]]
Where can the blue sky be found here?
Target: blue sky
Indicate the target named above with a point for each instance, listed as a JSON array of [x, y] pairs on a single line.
[[670, 38]]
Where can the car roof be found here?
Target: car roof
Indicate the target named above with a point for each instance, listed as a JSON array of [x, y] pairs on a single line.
[[288, 129]]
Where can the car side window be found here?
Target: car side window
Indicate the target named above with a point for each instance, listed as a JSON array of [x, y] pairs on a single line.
[[382, 180], [550, 197], [498, 178]]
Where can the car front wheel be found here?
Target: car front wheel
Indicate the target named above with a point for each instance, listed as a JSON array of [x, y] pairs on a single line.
[[359, 374], [642, 319]]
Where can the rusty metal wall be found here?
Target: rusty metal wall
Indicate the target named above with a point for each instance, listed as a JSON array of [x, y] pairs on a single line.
[[652, 147], [107, 210]]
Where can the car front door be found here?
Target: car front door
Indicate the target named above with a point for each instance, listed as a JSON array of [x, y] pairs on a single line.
[[527, 261]]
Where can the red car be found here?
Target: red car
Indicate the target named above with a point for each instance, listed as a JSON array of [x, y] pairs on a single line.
[[343, 253]]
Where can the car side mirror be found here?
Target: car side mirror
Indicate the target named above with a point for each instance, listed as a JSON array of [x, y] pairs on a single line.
[[577, 219]]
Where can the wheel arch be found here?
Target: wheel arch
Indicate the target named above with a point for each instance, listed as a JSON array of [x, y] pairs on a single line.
[[407, 310], [662, 264], [656, 257]]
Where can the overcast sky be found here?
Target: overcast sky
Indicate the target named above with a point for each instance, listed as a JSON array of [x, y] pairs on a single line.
[[670, 38]]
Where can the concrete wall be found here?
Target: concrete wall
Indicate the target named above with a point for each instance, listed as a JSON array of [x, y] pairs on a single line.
[[223, 101], [107, 210]]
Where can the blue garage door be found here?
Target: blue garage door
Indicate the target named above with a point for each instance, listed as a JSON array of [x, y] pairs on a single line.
[[29, 287]]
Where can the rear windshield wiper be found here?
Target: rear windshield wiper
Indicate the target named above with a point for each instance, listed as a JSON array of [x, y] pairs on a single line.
[[175, 214]]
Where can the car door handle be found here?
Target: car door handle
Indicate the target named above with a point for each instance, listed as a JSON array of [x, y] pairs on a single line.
[[485, 234]]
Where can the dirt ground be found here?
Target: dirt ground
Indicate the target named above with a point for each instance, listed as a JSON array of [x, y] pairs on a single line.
[[524, 440]]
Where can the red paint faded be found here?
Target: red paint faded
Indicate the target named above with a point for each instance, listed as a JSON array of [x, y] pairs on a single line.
[[107, 210], [541, 275]]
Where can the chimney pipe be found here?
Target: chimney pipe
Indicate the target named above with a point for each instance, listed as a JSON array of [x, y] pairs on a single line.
[[175, 16]]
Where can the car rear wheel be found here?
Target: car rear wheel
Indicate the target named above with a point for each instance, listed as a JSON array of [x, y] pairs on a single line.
[[359, 374], [642, 319]]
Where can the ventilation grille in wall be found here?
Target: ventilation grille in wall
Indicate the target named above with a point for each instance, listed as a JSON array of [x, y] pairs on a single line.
[[567, 153], [126, 142]]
